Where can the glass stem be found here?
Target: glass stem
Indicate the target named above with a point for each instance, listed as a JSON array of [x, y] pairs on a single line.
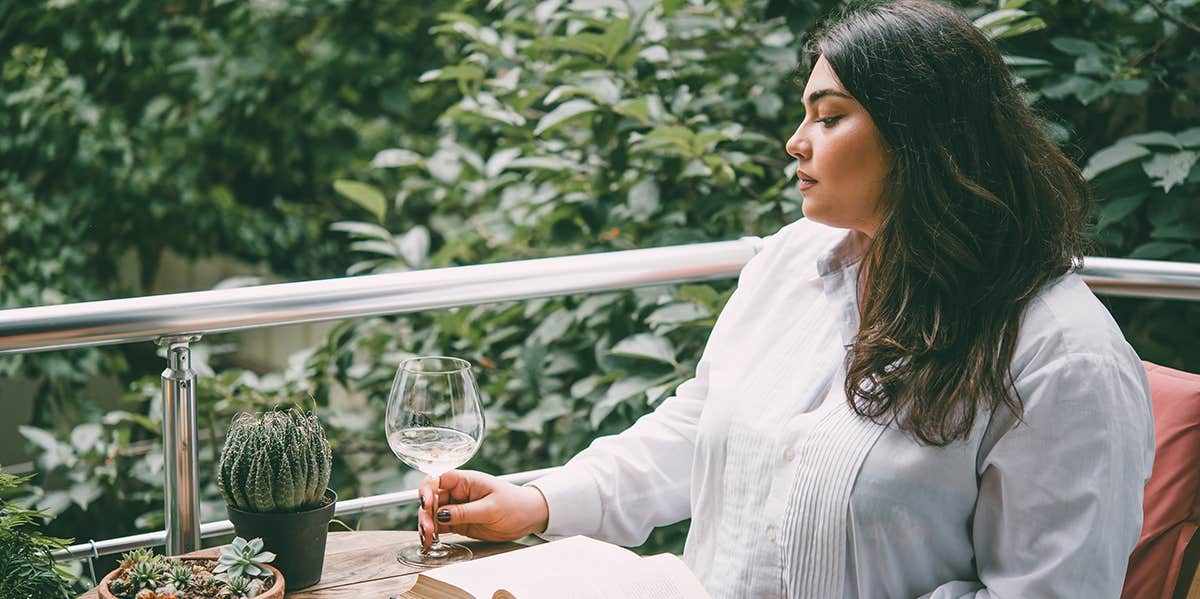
[[436, 545]]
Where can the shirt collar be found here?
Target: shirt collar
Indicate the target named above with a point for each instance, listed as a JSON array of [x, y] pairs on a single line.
[[846, 252], [838, 268]]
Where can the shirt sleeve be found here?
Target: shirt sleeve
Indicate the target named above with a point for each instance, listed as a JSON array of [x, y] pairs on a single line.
[[623, 486], [1060, 492]]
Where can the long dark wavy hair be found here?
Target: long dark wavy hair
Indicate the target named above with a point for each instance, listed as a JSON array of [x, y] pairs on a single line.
[[980, 210]]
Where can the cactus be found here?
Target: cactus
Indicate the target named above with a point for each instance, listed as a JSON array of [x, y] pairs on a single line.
[[274, 462]]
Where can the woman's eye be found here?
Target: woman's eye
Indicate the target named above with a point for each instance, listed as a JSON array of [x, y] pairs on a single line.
[[829, 121]]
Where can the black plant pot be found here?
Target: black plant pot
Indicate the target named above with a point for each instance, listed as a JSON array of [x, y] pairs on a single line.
[[296, 538]]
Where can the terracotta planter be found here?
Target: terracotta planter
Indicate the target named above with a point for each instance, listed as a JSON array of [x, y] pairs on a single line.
[[275, 592]]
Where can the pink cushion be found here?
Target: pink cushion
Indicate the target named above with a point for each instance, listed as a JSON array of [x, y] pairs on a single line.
[[1171, 507]]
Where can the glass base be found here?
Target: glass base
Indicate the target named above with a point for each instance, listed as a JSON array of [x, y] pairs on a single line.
[[439, 554]]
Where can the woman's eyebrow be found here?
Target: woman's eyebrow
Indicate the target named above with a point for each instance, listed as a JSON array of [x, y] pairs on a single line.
[[821, 93]]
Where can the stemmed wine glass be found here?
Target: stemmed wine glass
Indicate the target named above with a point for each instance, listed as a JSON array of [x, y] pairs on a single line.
[[434, 424]]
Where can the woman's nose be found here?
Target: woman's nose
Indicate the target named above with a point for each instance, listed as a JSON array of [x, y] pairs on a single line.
[[798, 147]]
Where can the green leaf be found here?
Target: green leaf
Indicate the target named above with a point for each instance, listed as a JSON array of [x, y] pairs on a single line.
[[85, 437], [646, 346], [1160, 250], [1000, 17], [553, 327], [394, 157], [84, 493], [364, 195], [619, 392], [1169, 170], [1021, 28], [1113, 211], [1131, 87], [677, 313], [39, 437], [461, 72], [1112, 157], [562, 113], [587, 43], [1190, 137], [643, 200], [1153, 138], [550, 163], [614, 38], [1025, 61], [1075, 46], [1179, 230], [637, 109], [1090, 65], [1073, 85]]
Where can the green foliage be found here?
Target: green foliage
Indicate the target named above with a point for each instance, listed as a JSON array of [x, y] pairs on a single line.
[[274, 462], [537, 129], [27, 569], [131, 128]]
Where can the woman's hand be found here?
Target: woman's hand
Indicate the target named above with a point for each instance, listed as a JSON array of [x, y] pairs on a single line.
[[480, 506]]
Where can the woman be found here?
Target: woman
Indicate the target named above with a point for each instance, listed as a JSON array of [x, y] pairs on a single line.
[[911, 393]]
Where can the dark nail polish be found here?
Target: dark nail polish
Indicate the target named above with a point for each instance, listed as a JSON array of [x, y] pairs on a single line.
[[422, 498], [443, 515]]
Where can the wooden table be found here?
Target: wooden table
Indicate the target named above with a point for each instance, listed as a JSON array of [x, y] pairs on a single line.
[[363, 564]]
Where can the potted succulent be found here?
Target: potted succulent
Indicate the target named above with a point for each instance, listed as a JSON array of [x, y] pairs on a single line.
[[240, 572], [274, 476]]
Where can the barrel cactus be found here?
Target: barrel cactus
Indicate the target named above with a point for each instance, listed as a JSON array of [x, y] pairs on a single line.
[[274, 462]]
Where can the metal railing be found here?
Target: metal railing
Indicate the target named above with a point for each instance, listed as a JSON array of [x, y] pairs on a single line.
[[179, 319]]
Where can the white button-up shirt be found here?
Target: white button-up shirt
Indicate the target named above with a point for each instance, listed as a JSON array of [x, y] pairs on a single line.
[[793, 495]]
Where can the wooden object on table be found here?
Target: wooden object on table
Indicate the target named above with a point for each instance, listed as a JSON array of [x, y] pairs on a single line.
[[363, 564]]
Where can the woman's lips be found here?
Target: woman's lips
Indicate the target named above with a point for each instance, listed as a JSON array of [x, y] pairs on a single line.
[[805, 181]]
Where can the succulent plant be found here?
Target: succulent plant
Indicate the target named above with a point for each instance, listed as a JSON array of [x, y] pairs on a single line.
[[137, 556], [274, 462], [240, 587], [243, 559], [146, 575], [180, 576]]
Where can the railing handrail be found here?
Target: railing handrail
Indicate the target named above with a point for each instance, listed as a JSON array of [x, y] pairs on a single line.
[[105, 322], [147, 318]]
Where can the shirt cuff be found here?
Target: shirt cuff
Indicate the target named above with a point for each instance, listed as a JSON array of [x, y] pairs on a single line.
[[573, 500]]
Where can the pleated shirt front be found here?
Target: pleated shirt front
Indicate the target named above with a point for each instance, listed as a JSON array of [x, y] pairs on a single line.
[[792, 494]]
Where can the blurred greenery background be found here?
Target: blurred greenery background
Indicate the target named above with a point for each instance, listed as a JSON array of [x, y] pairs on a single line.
[[325, 138]]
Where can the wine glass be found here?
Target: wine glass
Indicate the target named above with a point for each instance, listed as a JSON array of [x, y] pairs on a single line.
[[434, 424]]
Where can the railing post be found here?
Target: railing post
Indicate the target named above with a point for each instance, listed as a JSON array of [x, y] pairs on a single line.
[[181, 488]]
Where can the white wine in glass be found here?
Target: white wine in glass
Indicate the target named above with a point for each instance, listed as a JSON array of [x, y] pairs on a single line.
[[434, 424]]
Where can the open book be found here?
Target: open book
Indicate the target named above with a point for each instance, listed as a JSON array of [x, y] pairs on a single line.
[[571, 568]]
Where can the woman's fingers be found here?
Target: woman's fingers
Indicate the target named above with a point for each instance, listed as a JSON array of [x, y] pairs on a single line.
[[462, 486], [459, 514]]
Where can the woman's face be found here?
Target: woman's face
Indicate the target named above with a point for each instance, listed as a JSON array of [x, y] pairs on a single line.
[[843, 158]]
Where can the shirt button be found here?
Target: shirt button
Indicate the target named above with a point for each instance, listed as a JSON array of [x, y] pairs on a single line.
[[789, 455], [771, 533]]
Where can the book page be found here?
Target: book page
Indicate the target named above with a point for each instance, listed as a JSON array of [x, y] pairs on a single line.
[[573, 568]]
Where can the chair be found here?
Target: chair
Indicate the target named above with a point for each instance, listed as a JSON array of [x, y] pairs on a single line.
[[1163, 565]]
